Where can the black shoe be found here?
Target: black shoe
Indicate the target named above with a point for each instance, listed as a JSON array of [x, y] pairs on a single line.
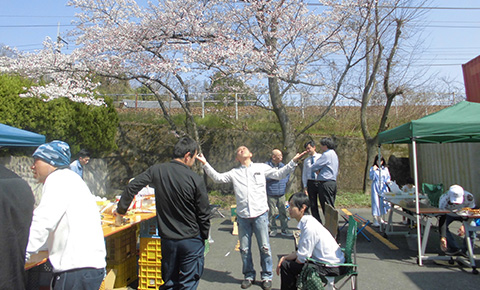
[[451, 252], [267, 285], [247, 283]]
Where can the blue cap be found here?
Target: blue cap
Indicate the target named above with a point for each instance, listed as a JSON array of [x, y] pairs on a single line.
[[56, 153]]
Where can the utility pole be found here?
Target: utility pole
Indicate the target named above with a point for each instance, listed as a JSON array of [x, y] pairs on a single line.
[[59, 39]]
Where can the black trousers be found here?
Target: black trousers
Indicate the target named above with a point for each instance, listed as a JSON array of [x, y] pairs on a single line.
[[325, 192]]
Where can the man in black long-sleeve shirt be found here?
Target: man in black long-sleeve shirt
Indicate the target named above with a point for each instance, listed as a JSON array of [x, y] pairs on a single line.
[[182, 214]]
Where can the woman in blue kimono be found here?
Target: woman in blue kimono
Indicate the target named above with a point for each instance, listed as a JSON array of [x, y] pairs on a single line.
[[379, 205]]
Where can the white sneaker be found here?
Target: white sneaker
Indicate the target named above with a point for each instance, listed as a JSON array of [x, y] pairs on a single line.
[[273, 233], [376, 224]]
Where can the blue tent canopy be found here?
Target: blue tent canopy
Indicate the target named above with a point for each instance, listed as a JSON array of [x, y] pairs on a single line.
[[11, 136]]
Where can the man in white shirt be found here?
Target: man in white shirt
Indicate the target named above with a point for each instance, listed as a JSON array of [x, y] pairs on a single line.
[[315, 242], [66, 222], [309, 177], [249, 185]]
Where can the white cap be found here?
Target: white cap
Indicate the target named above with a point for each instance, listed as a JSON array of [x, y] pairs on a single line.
[[455, 192]]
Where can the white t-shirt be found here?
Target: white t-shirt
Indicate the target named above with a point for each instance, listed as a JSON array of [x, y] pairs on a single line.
[[67, 223]]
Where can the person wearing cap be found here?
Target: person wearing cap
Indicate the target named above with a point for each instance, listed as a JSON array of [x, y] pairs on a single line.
[[66, 223], [453, 200]]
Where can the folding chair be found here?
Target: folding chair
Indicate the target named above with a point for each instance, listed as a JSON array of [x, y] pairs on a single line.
[[433, 191], [331, 220], [362, 222], [350, 253]]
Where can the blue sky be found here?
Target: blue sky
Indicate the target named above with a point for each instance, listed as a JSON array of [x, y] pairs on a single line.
[[451, 34]]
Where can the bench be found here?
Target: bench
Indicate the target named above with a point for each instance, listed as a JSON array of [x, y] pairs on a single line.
[[362, 222]]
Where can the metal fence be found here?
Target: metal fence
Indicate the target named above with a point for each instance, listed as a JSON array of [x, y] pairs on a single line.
[[300, 101]]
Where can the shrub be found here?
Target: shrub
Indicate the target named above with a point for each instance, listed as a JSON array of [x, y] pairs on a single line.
[[79, 125]]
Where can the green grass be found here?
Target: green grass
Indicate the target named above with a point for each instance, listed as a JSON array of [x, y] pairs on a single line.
[[352, 200], [223, 200], [344, 199], [340, 121]]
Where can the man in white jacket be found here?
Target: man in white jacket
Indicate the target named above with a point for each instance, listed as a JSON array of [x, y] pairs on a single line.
[[66, 222]]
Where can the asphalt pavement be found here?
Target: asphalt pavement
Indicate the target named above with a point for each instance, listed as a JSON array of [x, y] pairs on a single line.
[[380, 266]]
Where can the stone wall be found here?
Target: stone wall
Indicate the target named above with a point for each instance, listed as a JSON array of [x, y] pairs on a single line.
[[141, 146], [95, 176]]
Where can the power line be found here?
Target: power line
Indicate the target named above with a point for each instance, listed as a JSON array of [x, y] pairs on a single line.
[[34, 16], [35, 25], [407, 7]]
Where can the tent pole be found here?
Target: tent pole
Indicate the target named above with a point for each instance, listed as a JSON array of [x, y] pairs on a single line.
[[417, 204]]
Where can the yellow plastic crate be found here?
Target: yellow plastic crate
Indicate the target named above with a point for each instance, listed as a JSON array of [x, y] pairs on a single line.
[[121, 246], [125, 272], [149, 276], [150, 251]]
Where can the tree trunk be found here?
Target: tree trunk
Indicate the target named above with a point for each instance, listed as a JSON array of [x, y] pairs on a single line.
[[372, 151], [287, 132]]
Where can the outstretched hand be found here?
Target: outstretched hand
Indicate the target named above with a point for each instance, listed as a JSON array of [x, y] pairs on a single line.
[[299, 155], [201, 158]]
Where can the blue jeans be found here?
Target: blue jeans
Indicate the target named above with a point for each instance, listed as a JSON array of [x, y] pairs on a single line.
[[246, 228], [182, 263], [78, 279]]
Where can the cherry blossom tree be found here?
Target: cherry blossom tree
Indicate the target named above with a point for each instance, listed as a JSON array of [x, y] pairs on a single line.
[[276, 46], [158, 45], [57, 75], [294, 48]]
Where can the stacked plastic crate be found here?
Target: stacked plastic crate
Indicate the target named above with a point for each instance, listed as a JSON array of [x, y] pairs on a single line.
[[150, 256], [122, 256]]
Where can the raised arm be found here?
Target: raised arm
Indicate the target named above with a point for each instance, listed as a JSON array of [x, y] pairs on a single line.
[[281, 173], [212, 173]]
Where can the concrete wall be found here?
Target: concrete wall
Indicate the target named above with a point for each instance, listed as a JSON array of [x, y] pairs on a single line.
[[95, 174]]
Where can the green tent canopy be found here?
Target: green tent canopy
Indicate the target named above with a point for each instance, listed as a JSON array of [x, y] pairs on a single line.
[[458, 123]]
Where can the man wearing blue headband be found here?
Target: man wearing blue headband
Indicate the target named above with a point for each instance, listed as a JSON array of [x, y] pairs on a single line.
[[66, 222]]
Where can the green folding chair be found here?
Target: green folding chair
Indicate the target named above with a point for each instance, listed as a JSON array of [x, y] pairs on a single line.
[[308, 278], [433, 191]]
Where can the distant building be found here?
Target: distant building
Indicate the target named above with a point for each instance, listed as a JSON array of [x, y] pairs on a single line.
[[471, 77]]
